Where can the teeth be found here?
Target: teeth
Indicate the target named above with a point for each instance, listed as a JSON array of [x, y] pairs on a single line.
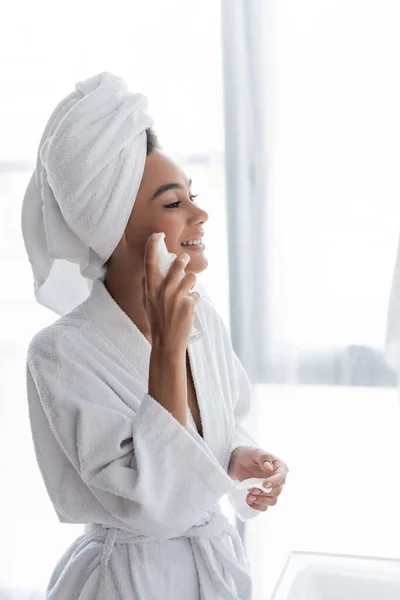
[[192, 243]]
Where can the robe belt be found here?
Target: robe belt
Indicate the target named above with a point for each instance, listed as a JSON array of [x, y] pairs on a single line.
[[222, 574]]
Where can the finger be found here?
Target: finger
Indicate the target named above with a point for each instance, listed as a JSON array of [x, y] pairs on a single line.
[[275, 480], [276, 491], [176, 270], [266, 466], [266, 461], [256, 506], [280, 469], [263, 498], [278, 463], [266, 501], [187, 283]]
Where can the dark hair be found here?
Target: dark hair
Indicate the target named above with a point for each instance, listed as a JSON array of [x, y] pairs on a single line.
[[152, 141], [152, 144]]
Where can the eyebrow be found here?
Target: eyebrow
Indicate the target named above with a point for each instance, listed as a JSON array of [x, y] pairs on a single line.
[[168, 186]]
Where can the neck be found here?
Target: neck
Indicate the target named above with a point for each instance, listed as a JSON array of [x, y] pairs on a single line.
[[127, 291]]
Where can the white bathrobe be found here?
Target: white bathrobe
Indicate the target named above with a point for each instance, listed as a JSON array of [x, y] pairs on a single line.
[[114, 459]]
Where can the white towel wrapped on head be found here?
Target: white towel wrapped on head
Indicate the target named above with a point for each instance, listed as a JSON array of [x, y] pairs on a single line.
[[78, 201]]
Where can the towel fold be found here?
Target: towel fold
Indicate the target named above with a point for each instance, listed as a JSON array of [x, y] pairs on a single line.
[[78, 201]]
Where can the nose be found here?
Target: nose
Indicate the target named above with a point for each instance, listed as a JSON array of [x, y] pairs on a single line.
[[198, 215]]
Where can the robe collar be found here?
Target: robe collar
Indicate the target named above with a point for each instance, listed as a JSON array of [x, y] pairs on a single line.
[[115, 325], [120, 331]]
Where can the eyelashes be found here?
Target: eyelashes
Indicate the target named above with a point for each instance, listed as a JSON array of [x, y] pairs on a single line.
[[176, 204]]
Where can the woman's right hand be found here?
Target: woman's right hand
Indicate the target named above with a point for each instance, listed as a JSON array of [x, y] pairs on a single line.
[[168, 302]]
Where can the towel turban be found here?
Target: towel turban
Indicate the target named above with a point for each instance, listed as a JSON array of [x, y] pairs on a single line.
[[79, 198]]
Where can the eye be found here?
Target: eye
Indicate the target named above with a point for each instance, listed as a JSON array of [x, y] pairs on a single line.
[[176, 204]]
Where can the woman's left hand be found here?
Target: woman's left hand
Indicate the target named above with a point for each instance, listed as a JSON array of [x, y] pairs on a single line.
[[247, 462]]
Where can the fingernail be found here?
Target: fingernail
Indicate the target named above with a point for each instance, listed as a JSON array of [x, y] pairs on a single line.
[[185, 257], [252, 498], [154, 236], [256, 492]]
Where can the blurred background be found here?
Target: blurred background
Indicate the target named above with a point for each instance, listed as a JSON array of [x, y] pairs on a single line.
[[285, 115]]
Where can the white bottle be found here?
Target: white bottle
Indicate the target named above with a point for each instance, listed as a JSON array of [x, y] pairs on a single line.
[[165, 260]]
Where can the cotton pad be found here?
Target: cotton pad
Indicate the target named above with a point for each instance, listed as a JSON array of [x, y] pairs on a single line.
[[254, 482]]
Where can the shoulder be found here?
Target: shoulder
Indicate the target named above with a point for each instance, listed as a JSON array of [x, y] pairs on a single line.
[[64, 337]]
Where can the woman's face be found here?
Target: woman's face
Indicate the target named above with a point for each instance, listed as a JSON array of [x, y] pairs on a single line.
[[165, 203]]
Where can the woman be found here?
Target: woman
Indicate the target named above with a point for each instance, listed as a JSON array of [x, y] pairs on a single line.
[[137, 432]]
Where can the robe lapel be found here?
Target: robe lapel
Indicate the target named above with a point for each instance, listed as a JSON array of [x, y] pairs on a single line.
[[135, 350]]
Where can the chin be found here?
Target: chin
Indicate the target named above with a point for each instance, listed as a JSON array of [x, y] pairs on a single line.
[[197, 264]]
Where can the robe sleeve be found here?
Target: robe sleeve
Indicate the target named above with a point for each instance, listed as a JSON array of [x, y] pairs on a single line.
[[144, 468]]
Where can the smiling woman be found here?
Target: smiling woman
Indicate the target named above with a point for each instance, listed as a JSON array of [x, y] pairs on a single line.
[[143, 428]]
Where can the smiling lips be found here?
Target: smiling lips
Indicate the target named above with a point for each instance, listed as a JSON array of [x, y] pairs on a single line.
[[194, 245], [195, 241]]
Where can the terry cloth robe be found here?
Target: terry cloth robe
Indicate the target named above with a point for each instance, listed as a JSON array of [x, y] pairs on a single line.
[[114, 459]]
